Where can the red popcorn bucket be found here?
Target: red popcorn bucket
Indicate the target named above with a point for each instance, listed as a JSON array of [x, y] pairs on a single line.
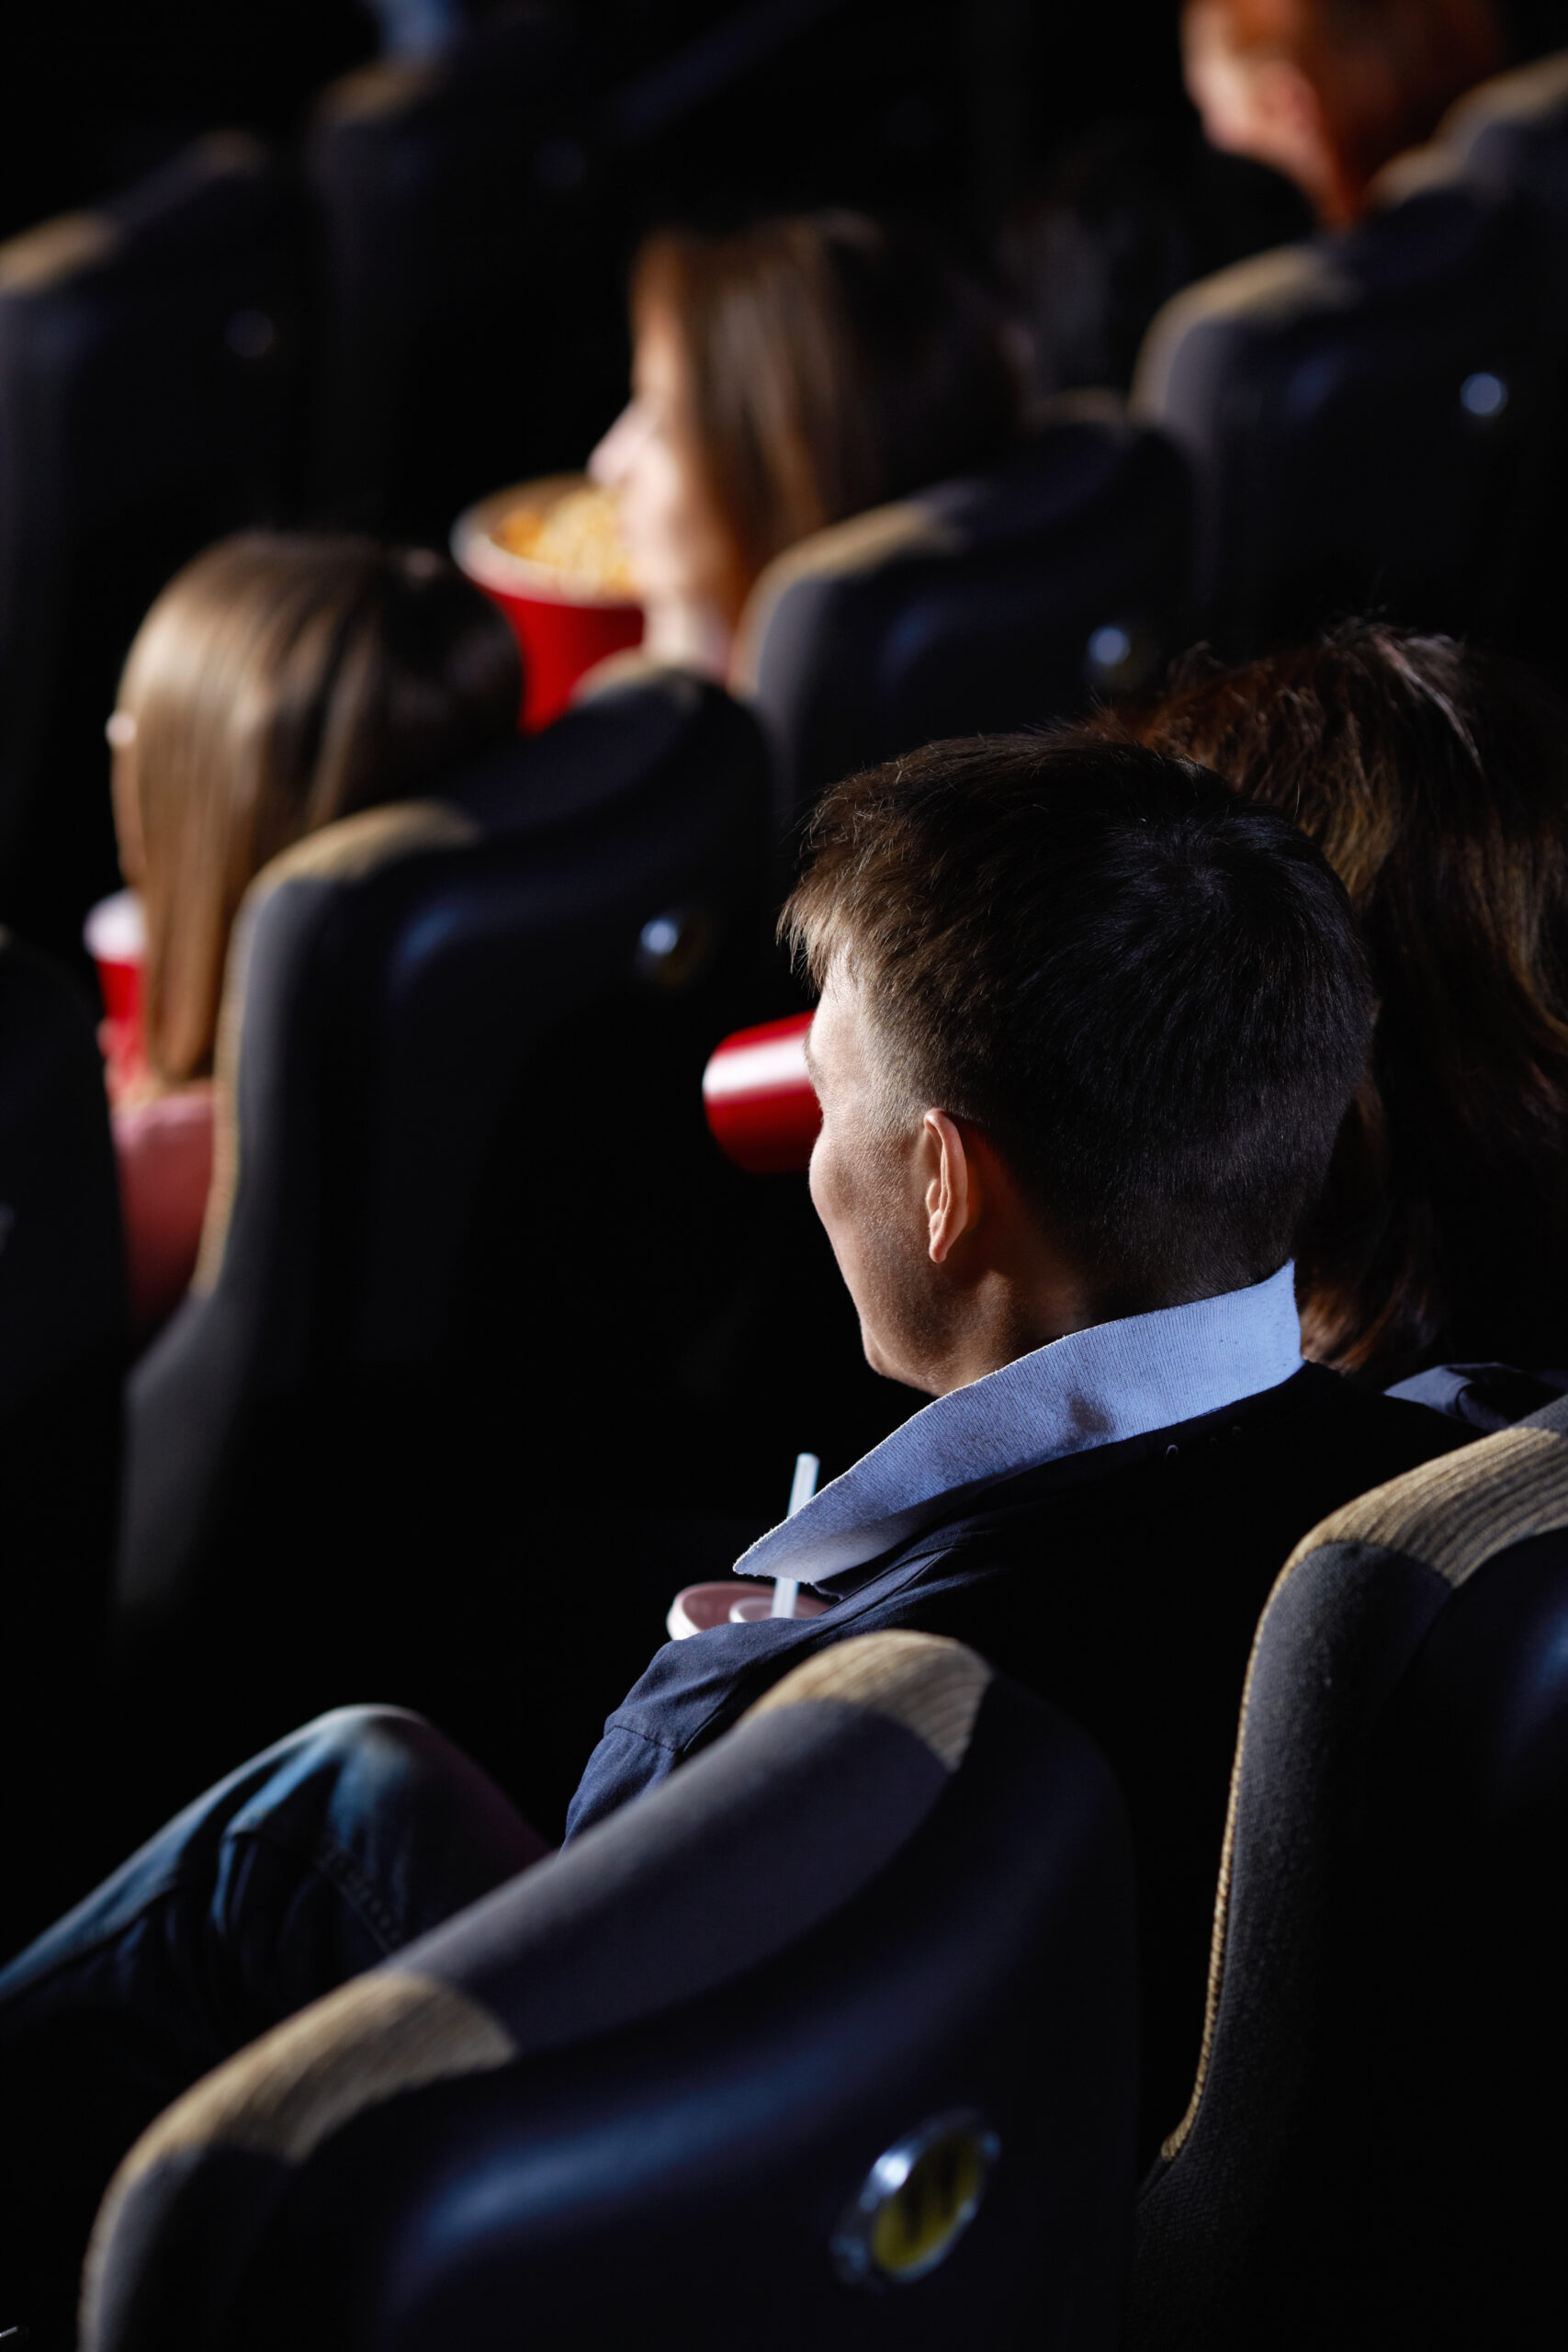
[[761, 1107], [115, 935], [563, 620]]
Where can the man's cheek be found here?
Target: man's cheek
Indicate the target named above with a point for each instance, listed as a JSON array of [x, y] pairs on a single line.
[[815, 1180], [835, 1210], [827, 1180]]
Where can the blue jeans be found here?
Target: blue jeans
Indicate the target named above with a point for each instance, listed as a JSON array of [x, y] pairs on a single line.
[[313, 1861]]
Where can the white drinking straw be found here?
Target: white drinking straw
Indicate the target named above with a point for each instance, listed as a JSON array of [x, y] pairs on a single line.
[[802, 1488]]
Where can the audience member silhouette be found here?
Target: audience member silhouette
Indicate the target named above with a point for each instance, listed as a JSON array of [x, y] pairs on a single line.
[[784, 377], [1088, 1027], [1329, 91], [1434, 779], [278, 684]]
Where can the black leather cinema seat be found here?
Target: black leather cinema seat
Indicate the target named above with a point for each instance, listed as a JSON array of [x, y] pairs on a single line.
[[470, 1247], [1372, 2152], [975, 606], [454, 240], [1372, 420], [63, 1303], [1511, 134], [672, 2085], [62, 1345], [149, 363]]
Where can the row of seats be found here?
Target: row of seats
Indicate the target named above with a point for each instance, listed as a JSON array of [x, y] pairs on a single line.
[[466, 1216], [710, 2064], [1377, 416], [150, 352], [1400, 1776], [1399, 1792], [367, 1301], [372, 1372], [1292, 418], [1372, 420], [978, 605]]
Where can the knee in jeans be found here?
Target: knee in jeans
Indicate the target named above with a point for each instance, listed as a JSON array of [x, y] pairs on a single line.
[[380, 1774], [346, 1730], [378, 1753], [376, 1799]]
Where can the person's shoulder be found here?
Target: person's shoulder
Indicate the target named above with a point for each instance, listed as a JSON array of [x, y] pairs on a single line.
[[688, 1694], [1334, 1409], [1311, 1442], [1321, 1434], [689, 1687]]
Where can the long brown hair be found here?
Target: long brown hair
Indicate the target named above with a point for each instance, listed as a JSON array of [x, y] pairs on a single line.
[[834, 363], [1434, 779], [1384, 71], [278, 683]]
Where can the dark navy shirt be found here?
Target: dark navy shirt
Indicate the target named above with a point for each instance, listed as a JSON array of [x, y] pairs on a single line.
[[872, 1533], [1124, 1583]]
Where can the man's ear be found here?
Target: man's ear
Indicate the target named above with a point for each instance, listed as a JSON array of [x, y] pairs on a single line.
[[951, 1191]]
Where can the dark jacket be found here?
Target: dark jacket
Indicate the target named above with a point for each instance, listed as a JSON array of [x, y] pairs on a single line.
[[1124, 1583]]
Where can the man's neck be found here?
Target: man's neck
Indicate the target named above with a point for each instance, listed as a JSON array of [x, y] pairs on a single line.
[[1006, 1321]]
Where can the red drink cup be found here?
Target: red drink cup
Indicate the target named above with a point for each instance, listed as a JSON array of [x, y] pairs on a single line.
[[563, 626], [116, 937], [761, 1106]]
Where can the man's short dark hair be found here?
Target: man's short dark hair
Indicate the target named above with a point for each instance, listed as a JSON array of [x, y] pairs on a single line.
[[1148, 994]]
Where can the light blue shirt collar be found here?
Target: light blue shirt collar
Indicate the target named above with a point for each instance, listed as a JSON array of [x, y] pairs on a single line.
[[1114, 1381]]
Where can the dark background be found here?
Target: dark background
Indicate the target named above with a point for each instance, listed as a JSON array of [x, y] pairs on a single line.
[[957, 103], [704, 111], [946, 103]]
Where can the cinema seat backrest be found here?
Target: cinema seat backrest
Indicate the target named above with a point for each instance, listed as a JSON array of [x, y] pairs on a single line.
[[61, 1264], [459, 1060], [1362, 2162], [734, 2065], [1511, 134], [1371, 419], [450, 259], [149, 366], [62, 1345], [974, 606]]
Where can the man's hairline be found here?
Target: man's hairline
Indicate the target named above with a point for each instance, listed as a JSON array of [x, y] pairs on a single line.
[[904, 1107]]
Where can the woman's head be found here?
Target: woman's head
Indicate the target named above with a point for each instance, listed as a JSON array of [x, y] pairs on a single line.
[[787, 375], [1327, 91], [1434, 779], [276, 683]]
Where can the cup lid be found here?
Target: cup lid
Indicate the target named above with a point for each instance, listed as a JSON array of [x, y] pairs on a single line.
[[115, 930]]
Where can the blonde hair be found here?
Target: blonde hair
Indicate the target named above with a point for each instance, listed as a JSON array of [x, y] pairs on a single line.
[[279, 683]]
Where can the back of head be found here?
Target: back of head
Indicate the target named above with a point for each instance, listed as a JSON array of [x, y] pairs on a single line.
[[1435, 778], [834, 362], [1148, 995], [278, 684], [1381, 72]]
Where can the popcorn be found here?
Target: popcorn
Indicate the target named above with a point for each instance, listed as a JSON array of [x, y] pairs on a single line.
[[576, 532]]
